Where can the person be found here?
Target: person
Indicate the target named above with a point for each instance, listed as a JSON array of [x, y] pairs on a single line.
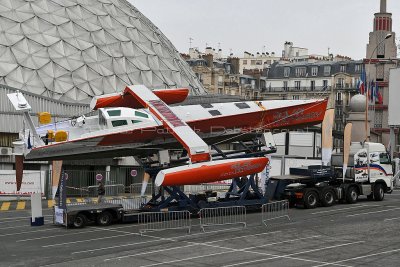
[[100, 192]]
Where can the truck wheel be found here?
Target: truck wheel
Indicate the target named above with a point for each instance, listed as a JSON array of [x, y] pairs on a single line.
[[379, 194], [327, 198], [351, 195], [105, 218], [310, 199], [80, 221]]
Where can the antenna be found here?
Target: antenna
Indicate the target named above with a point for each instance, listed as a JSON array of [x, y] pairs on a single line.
[[219, 46], [190, 42]]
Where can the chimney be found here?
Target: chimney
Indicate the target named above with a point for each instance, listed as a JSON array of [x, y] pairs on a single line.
[[383, 6], [210, 59]]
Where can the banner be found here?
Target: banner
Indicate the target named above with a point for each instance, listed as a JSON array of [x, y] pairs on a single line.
[[62, 198], [55, 179], [33, 182], [59, 215]]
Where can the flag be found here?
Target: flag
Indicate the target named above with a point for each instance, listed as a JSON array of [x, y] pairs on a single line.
[[29, 141], [379, 96], [361, 83]]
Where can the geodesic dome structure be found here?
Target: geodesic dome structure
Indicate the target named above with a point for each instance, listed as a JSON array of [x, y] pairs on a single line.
[[73, 50]]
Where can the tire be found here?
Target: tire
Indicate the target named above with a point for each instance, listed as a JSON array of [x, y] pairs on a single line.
[[105, 218], [351, 195], [80, 221], [327, 197], [310, 199], [379, 193]]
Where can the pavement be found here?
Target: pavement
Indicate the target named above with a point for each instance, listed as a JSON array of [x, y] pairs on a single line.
[[361, 234]]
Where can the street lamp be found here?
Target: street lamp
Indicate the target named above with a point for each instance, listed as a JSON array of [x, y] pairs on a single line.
[[366, 93]]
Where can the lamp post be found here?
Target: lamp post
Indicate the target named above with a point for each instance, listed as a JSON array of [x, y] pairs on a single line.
[[366, 85]]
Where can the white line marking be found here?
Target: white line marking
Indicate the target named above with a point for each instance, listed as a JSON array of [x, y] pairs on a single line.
[[371, 212], [88, 240], [30, 232], [191, 244], [398, 218], [297, 253], [361, 257], [353, 207]]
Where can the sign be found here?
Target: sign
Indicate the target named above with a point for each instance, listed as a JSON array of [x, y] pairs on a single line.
[[99, 177], [59, 215], [62, 198], [133, 173], [33, 182]]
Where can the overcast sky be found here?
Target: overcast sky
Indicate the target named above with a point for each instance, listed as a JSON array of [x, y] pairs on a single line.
[[249, 25]]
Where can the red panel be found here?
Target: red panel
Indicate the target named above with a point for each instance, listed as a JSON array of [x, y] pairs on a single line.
[[169, 96], [214, 173]]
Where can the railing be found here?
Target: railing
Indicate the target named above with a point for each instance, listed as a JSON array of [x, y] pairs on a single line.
[[298, 89], [159, 221], [111, 190], [135, 189], [275, 210], [222, 216]]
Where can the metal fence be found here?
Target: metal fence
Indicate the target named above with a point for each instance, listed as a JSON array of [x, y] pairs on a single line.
[[222, 216], [204, 187], [158, 221], [275, 210], [136, 188]]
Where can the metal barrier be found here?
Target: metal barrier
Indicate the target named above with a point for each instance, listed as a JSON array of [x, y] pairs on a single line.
[[275, 210], [128, 203], [111, 190], [159, 221], [222, 216], [136, 188]]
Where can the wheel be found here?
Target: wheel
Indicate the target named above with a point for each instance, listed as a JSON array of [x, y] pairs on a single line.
[[310, 199], [104, 218], [351, 195], [80, 221], [327, 197], [379, 194]]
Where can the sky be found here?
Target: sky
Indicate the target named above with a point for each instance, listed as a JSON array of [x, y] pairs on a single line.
[[236, 26]]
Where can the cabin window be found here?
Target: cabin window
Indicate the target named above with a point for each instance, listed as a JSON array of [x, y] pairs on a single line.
[[384, 158], [242, 105], [214, 112], [136, 121], [141, 114], [118, 123], [114, 113], [206, 105]]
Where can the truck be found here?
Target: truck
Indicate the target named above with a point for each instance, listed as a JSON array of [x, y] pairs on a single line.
[[369, 173]]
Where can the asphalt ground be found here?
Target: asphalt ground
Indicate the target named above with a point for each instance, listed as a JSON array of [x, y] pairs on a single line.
[[361, 234]]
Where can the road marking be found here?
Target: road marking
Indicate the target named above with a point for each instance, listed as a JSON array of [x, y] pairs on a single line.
[[371, 212], [87, 240], [297, 253], [21, 205], [361, 257], [79, 200], [191, 244], [391, 219], [30, 232], [50, 203], [5, 206], [18, 219], [353, 207]]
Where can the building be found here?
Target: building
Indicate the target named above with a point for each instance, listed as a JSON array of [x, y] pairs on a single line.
[[381, 56], [62, 53]]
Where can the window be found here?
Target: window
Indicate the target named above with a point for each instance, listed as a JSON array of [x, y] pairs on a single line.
[[357, 68], [327, 70], [214, 112], [286, 71], [118, 123], [244, 62], [340, 83], [297, 85], [342, 68], [141, 114], [300, 72], [242, 105], [296, 97], [325, 84], [114, 113], [312, 85], [258, 62], [206, 105], [136, 121], [252, 62], [384, 158], [314, 71], [285, 86]]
